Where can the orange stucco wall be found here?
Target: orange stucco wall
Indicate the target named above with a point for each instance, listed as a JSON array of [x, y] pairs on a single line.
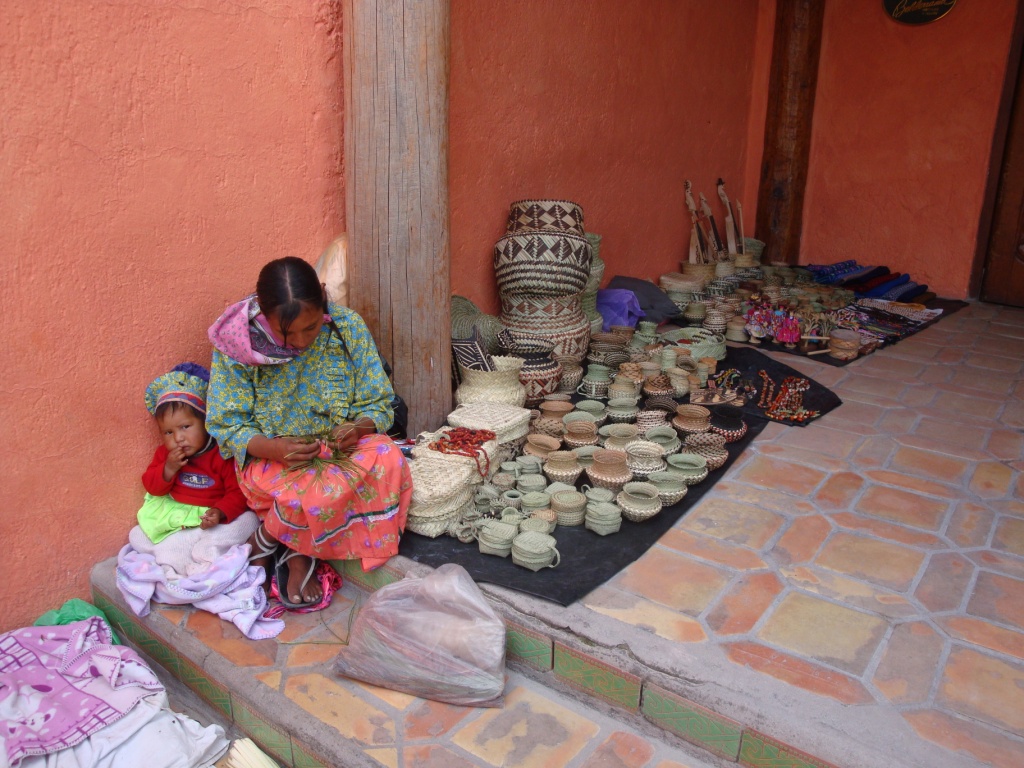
[[602, 102], [903, 126], [154, 156]]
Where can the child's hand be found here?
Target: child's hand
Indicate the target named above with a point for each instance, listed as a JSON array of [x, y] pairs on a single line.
[[175, 461], [211, 517]]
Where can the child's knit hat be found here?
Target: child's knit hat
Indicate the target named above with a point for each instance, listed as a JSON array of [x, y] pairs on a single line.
[[186, 383]]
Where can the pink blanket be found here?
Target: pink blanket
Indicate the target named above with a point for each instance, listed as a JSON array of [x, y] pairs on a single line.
[[59, 685]]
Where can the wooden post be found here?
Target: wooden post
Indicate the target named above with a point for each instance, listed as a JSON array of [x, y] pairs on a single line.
[[787, 134], [396, 163]]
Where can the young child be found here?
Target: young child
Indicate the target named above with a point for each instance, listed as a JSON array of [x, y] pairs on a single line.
[[188, 483]]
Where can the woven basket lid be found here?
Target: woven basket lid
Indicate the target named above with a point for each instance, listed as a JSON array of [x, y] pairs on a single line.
[[534, 542]]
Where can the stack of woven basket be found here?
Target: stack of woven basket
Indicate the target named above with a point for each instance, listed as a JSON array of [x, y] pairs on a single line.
[[542, 266]]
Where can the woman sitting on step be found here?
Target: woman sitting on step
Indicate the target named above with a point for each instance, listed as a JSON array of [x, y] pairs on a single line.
[[299, 397]]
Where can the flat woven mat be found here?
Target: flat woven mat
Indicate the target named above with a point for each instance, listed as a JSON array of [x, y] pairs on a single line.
[[589, 560]]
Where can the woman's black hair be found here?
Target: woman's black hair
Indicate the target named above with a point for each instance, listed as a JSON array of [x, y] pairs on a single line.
[[286, 287]]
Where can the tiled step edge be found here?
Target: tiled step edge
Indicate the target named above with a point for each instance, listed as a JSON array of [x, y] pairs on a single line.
[[559, 659], [258, 712], [566, 661]]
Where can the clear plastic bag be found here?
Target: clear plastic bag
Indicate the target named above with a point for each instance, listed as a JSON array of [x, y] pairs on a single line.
[[435, 637]]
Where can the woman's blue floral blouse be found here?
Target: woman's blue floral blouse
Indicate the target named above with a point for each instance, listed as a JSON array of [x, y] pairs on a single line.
[[319, 389]]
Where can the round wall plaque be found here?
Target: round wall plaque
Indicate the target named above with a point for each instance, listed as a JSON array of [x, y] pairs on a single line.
[[918, 11]]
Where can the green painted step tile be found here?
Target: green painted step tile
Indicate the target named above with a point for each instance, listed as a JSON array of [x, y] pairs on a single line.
[[303, 757], [133, 630], [262, 731], [528, 646], [760, 751], [215, 693], [593, 676], [692, 722]]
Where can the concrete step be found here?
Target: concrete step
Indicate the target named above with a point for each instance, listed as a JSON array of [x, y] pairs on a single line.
[[283, 695]]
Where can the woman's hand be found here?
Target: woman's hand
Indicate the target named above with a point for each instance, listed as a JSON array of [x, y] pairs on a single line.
[[286, 450], [345, 436]]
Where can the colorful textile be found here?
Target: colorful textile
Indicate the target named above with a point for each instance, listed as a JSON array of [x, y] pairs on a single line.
[[59, 685], [329, 580], [243, 334], [335, 513], [187, 383], [208, 480], [161, 516], [329, 383], [880, 290], [205, 568]]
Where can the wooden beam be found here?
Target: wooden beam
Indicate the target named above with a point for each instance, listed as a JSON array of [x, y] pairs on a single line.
[[396, 164], [787, 136]]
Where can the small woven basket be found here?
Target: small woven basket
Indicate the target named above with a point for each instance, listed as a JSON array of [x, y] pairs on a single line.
[[639, 502], [535, 550], [548, 516], [569, 506]]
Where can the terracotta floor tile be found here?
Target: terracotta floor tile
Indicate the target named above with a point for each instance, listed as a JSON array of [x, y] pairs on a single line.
[[174, 615], [997, 561], [742, 606], [916, 349], [1013, 414], [648, 616], [1009, 536], [877, 365], [999, 598], [970, 524], [903, 507], [528, 731], [852, 592], [820, 439], [799, 672], [963, 407], [271, 679], [945, 581], [781, 475], [227, 640], [341, 709], [621, 750], [993, 362], [800, 456], [823, 631], [884, 404], [1006, 444], [940, 432], [934, 466], [839, 490], [801, 540], [310, 654], [431, 719], [673, 580], [986, 745], [889, 387], [986, 381], [887, 530], [910, 662], [854, 412], [730, 521], [984, 634], [1000, 346], [713, 549], [386, 756], [873, 452], [397, 699], [762, 498], [434, 756], [879, 562], [298, 625], [899, 421], [991, 480], [978, 685], [1013, 507], [916, 484]]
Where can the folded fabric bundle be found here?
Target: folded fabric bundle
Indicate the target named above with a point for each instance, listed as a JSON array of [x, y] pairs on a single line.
[[861, 273], [912, 294], [874, 281], [880, 290], [871, 273], [829, 273]]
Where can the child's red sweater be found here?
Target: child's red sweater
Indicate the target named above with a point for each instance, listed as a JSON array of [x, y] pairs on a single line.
[[208, 480]]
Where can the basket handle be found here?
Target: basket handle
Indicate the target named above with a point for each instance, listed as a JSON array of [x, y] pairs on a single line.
[[557, 560]]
